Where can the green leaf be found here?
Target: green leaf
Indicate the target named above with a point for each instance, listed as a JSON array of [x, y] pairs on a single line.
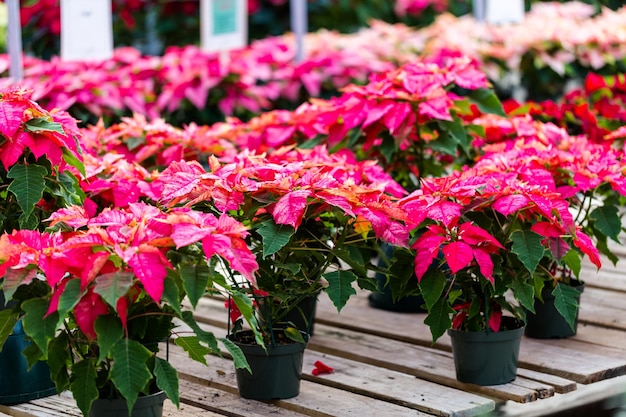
[[129, 372], [135, 142], [239, 358], [59, 357], [8, 320], [606, 220], [40, 124], [68, 300], [528, 248], [565, 302], [524, 293], [38, 328], [438, 318], [69, 188], [109, 330], [203, 335], [167, 380], [172, 296], [195, 279], [294, 334], [444, 143], [573, 262], [28, 185], [114, 285], [71, 159], [487, 101], [33, 354], [247, 310], [340, 287], [275, 236], [431, 288], [83, 385], [194, 349]]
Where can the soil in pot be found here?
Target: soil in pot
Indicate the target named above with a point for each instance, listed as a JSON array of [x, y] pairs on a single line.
[[547, 322], [276, 374], [146, 406], [487, 357]]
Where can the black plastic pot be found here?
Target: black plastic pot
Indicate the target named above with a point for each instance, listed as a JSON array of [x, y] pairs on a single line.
[[547, 322], [302, 316], [146, 406], [275, 374], [487, 358], [383, 299], [17, 383]]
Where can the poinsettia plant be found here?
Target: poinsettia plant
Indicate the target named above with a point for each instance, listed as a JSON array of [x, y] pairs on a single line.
[[584, 170], [480, 234], [98, 295], [313, 219], [37, 148]]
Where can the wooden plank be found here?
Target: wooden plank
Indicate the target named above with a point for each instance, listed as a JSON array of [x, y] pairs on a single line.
[[609, 276], [200, 396], [186, 410], [62, 405], [392, 386], [561, 403], [423, 362], [600, 336], [314, 399], [605, 308], [396, 387], [572, 362], [561, 385]]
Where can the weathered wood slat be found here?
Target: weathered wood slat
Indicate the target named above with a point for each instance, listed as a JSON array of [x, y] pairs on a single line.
[[62, 405], [573, 362], [423, 362], [596, 336], [419, 361], [561, 385], [611, 277], [396, 387], [213, 401], [314, 399], [186, 410], [391, 386]]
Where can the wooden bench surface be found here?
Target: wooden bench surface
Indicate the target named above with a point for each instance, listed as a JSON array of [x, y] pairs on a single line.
[[386, 365]]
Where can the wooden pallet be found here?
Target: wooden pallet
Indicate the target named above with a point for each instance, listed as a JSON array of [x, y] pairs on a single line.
[[386, 365]]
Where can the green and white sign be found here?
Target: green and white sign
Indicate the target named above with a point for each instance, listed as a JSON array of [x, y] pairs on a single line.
[[223, 24]]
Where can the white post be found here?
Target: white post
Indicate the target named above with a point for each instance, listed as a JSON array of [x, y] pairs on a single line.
[[299, 25], [478, 7], [14, 35]]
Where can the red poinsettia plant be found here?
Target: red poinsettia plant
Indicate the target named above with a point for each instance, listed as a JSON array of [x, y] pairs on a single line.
[[480, 234], [97, 293], [588, 173], [37, 150], [314, 219]]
